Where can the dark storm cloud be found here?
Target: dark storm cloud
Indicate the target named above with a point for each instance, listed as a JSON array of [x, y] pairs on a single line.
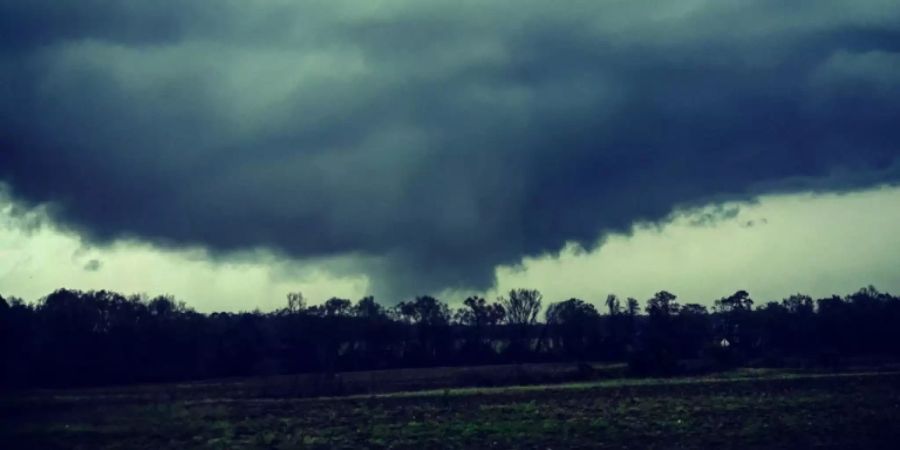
[[93, 265], [435, 141], [713, 215]]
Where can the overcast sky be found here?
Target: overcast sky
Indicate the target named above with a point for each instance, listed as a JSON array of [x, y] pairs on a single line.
[[230, 151]]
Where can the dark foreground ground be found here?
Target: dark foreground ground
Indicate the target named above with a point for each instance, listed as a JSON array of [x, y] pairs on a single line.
[[745, 409]]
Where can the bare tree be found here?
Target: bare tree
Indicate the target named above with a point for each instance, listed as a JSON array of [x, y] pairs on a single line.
[[479, 316], [663, 304], [632, 306], [737, 302], [573, 326], [368, 308], [295, 302], [333, 307], [479, 313], [522, 306], [613, 304]]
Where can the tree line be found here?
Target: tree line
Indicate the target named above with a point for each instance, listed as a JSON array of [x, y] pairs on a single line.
[[77, 338]]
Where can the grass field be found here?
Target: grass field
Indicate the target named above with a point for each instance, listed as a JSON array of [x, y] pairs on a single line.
[[350, 383], [744, 409]]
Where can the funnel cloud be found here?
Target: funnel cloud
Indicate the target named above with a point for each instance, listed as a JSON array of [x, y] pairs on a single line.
[[433, 142]]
